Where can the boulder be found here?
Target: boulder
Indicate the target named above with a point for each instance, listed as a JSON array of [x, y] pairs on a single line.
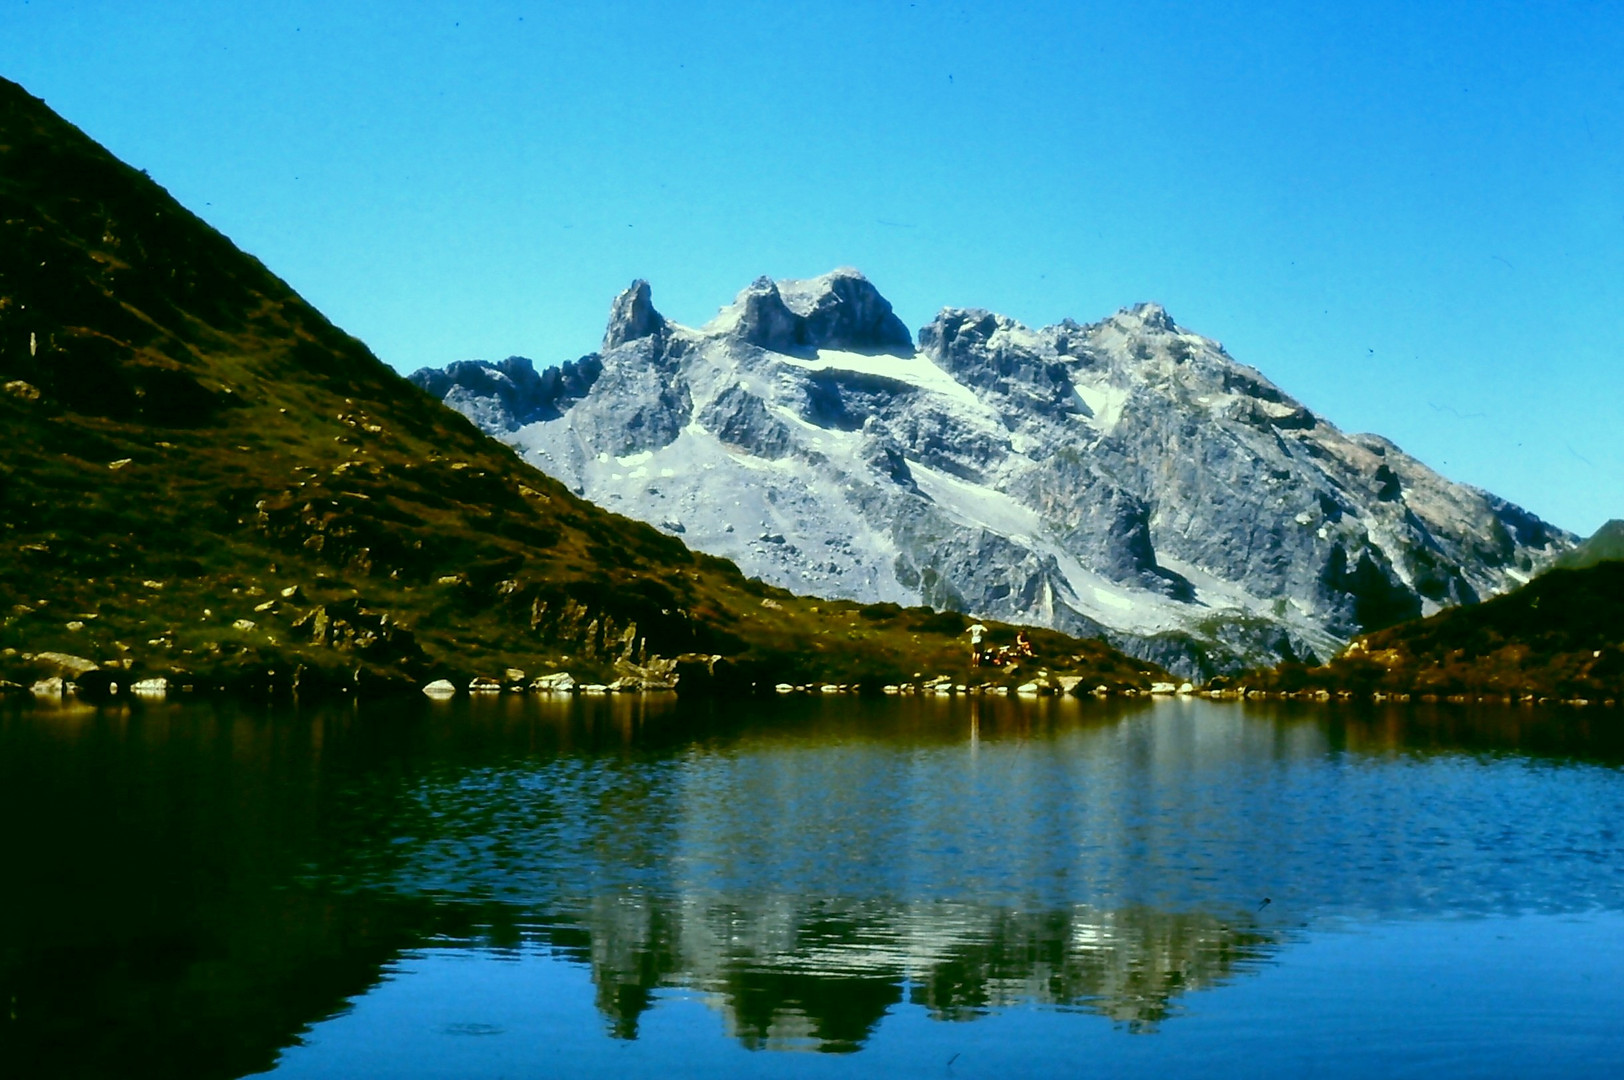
[[54, 687], [440, 688], [657, 673], [23, 391], [559, 682], [483, 685], [65, 664]]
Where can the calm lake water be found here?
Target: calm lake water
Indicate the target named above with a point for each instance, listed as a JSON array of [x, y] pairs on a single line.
[[825, 887]]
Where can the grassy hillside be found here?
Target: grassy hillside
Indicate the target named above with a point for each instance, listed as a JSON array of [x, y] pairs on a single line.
[[204, 478], [1606, 545], [1560, 636]]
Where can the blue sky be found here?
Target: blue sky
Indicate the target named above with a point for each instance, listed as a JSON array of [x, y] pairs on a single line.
[[1410, 216]]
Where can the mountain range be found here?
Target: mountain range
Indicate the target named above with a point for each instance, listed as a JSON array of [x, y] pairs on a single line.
[[203, 480], [1125, 478]]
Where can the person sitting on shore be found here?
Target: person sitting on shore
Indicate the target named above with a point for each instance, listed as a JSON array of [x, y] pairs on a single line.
[[1023, 644]]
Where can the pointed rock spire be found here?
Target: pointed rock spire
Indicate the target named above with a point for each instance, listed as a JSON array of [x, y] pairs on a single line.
[[632, 316], [764, 320]]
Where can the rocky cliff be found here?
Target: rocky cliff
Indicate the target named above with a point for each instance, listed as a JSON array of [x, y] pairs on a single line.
[[1126, 478]]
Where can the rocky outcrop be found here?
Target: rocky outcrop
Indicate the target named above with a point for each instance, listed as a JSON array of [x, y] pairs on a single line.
[[348, 625], [507, 394], [632, 316], [840, 310], [1127, 478]]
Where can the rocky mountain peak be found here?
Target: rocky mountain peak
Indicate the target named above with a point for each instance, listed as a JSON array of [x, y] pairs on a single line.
[[632, 316], [838, 310], [759, 316], [950, 324], [843, 310], [1147, 316]]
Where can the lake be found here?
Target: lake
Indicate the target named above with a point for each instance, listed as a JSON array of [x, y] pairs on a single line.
[[820, 887]]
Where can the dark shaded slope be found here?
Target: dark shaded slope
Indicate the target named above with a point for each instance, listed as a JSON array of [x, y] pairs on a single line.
[[201, 477], [1560, 636]]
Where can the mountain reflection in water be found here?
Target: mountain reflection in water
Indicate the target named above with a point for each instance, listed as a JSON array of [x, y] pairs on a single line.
[[789, 973], [202, 883]]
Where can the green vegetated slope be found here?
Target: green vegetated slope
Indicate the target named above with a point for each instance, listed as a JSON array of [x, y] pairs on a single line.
[[1606, 545], [202, 476], [1560, 636]]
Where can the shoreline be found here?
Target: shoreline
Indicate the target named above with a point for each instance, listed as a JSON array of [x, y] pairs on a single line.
[[104, 688]]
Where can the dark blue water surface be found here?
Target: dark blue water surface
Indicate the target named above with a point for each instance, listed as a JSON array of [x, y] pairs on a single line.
[[917, 887]]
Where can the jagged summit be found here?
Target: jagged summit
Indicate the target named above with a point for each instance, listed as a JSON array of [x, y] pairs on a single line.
[[632, 316], [838, 310], [1149, 315], [1126, 477]]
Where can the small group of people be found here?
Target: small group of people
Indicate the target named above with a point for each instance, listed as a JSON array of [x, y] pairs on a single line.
[[997, 655]]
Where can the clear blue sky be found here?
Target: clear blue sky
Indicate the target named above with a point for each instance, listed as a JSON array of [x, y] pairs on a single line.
[[1409, 215]]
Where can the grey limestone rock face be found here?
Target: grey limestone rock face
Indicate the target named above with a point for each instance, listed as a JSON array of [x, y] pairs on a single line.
[[1126, 478], [841, 310], [632, 316], [509, 394]]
